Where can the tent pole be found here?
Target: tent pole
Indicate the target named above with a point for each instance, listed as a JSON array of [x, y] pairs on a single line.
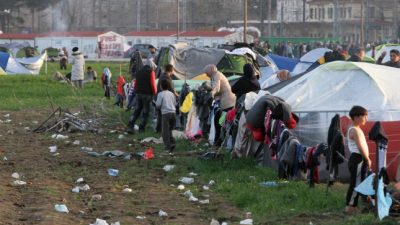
[[45, 66], [329, 170]]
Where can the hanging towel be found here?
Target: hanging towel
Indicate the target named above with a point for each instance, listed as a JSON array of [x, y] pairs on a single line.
[[366, 187]]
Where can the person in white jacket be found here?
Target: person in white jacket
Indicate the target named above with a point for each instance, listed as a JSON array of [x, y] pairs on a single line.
[[78, 65]]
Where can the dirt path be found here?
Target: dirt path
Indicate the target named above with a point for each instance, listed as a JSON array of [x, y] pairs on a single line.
[[50, 180]]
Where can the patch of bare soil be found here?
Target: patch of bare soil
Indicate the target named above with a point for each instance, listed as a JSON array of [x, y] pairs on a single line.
[[50, 179]]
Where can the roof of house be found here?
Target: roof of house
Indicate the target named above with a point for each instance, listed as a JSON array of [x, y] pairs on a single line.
[[182, 34], [17, 36], [72, 34]]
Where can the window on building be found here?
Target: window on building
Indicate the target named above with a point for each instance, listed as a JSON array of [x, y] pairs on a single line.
[[349, 12], [330, 13], [323, 13], [311, 13], [341, 12], [74, 43], [319, 13], [344, 13], [371, 12]]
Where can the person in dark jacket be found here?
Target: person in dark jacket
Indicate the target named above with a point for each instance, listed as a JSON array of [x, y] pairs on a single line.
[[394, 59], [358, 55], [247, 83], [145, 87]]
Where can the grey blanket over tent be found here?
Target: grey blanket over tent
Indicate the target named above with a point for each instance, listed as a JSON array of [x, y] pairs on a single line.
[[190, 61]]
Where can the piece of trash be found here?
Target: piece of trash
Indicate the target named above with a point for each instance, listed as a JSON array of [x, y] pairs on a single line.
[[7, 115], [99, 222], [141, 217], [211, 183], [76, 142], [7, 121], [187, 180], [205, 201], [76, 189], [269, 184], [181, 187], [59, 136], [247, 222], [178, 134], [214, 222], [252, 177], [85, 187], [129, 145], [113, 172], [149, 154], [27, 128], [168, 168], [192, 174], [112, 131], [224, 223], [79, 180], [193, 199], [116, 223], [188, 194], [96, 197], [127, 190], [205, 187], [5, 158], [18, 183], [136, 127], [56, 154], [162, 213], [61, 208], [15, 175], [88, 149], [311, 223], [121, 136], [248, 215], [53, 148], [10, 132], [152, 139], [35, 122]]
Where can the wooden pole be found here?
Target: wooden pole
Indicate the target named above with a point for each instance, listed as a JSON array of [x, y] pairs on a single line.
[[245, 22]]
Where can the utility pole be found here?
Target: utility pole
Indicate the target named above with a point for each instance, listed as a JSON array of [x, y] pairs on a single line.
[[269, 18], [138, 15], [336, 19], [245, 21], [304, 11], [261, 17], [281, 24], [362, 24], [177, 20]]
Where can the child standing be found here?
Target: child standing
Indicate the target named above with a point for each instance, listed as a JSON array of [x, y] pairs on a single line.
[[359, 161], [166, 102]]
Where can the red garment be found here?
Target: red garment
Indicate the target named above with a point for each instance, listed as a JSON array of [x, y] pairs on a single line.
[[230, 116], [120, 85], [267, 127]]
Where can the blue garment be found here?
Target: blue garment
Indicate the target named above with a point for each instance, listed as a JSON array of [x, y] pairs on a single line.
[[384, 202], [366, 187]]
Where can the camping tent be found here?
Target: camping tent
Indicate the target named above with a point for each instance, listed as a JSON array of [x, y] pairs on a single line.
[[283, 63], [337, 86], [308, 59], [383, 48], [31, 65]]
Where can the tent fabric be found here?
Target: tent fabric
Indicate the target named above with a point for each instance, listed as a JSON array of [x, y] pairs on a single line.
[[31, 65], [383, 48], [4, 60], [189, 62], [314, 55], [333, 88], [2, 72], [284, 63]]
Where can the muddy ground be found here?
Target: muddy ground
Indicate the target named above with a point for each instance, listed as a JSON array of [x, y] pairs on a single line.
[[50, 179]]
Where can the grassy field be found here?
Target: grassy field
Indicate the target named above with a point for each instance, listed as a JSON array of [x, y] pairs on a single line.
[[237, 181]]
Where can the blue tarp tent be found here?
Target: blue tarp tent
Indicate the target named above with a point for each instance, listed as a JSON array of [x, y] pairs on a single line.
[[4, 60], [284, 63]]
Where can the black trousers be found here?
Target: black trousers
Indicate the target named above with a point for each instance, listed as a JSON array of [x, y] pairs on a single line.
[[168, 124], [142, 104], [358, 172]]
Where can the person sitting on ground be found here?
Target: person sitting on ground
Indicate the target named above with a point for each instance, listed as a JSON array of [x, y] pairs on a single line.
[[358, 55], [394, 59], [359, 161], [247, 83], [166, 102], [91, 75]]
